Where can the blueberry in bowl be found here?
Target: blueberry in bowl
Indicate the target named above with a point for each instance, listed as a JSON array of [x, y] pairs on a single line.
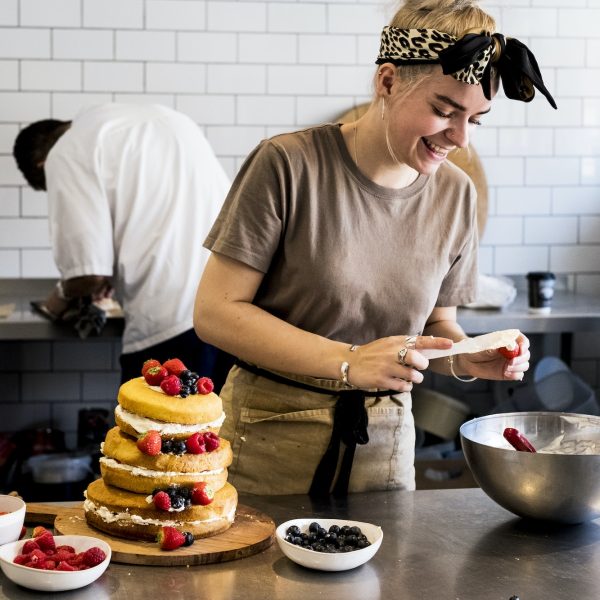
[[329, 544]]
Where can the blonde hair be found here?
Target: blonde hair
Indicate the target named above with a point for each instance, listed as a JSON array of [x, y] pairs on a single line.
[[456, 17], [450, 16]]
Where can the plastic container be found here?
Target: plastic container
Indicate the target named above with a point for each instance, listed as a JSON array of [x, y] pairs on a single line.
[[554, 388], [59, 468]]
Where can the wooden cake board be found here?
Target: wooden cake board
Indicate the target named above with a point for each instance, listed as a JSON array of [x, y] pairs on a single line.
[[251, 533]]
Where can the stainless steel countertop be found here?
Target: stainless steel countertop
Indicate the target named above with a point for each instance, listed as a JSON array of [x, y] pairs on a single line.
[[26, 324], [437, 545], [570, 313]]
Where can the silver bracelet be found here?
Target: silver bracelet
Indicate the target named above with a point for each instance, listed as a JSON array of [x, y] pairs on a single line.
[[451, 363], [344, 368]]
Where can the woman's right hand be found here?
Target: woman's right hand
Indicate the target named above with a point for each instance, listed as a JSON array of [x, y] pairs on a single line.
[[385, 364]]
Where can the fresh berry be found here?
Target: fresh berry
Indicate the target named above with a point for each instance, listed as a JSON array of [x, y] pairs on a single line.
[[171, 385], [195, 444], [150, 443], [167, 446], [154, 375], [177, 503], [169, 538], [204, 385], [211, 441], [39, 530], [202, 493], [29, 546], [162, 501], [174, 366], [93, 556], [510, 351], [337, 539], [63, 555], [37, 556], [179, 447], [77, 560], [65, 548], [23, 532], [65, 566], [46, 541], [185, 375], [21, 559], [189, 538], [148, 364]]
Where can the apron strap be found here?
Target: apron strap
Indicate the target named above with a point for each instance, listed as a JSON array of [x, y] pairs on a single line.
[[350, 422]]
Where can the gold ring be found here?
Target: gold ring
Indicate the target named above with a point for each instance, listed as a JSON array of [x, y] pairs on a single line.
[[402, 355]]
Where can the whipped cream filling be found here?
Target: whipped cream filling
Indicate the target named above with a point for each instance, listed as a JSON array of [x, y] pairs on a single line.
[[142, 424], [142, 472], [110, 517]]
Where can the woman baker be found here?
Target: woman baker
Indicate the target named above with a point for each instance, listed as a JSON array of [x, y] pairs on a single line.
[[341, 254]]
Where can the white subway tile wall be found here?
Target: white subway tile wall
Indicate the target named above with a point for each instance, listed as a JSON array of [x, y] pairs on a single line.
[[244, 70]]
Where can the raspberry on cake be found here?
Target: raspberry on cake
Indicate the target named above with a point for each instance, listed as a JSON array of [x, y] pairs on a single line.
[[164, 464]]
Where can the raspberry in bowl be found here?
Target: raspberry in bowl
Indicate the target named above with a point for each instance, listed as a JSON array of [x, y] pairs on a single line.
[[12, 515], [54, 563]]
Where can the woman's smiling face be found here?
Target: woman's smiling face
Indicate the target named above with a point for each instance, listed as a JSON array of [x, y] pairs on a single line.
[[433, 119]]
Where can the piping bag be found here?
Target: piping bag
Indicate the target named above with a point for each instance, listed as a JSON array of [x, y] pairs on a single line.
[[488, 341]]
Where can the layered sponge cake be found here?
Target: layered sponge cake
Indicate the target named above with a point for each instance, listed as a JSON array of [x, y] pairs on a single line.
[[164, 464]]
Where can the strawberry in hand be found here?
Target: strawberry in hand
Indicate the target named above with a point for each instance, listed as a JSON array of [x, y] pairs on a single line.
[[511, 351]]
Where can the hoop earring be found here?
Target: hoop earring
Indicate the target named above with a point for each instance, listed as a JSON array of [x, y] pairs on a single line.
[[382, 107]]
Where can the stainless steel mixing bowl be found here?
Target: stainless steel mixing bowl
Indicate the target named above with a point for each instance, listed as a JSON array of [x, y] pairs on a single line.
[[560, 482]]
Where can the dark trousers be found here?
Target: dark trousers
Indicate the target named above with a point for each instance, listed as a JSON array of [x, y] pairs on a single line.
[[196, 355]]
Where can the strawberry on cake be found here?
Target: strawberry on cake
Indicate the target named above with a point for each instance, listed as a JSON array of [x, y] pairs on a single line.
[[164, 464]]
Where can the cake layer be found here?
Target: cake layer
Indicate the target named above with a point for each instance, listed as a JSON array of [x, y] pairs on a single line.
[[135, 425], [129, 515], [145, 481], [123, 449], [137, 397]]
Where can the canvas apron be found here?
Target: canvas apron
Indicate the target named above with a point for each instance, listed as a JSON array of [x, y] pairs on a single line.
[[279, 434]]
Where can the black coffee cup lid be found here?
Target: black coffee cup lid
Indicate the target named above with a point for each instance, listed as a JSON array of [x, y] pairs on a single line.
[[540, 275]]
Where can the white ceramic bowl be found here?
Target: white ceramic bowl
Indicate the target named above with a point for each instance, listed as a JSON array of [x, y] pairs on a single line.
[[12, 522], [53, 581], [326, 561]]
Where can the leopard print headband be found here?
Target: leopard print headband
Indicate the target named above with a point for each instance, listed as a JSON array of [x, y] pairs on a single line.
[[467, 59]]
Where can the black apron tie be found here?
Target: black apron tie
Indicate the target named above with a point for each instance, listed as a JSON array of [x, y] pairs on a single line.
[[350, 422]]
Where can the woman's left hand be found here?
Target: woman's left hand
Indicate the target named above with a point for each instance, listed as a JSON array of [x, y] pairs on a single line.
[[491, 364]]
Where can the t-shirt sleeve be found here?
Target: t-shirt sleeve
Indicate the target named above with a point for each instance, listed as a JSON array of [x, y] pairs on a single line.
[[459, 286], [79, 215], [250, 225]]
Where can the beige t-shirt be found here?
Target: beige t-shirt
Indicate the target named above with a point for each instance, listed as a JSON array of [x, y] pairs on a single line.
[[342, 256]]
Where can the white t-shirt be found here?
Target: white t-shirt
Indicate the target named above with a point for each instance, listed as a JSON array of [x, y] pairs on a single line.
[[132, 192]]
